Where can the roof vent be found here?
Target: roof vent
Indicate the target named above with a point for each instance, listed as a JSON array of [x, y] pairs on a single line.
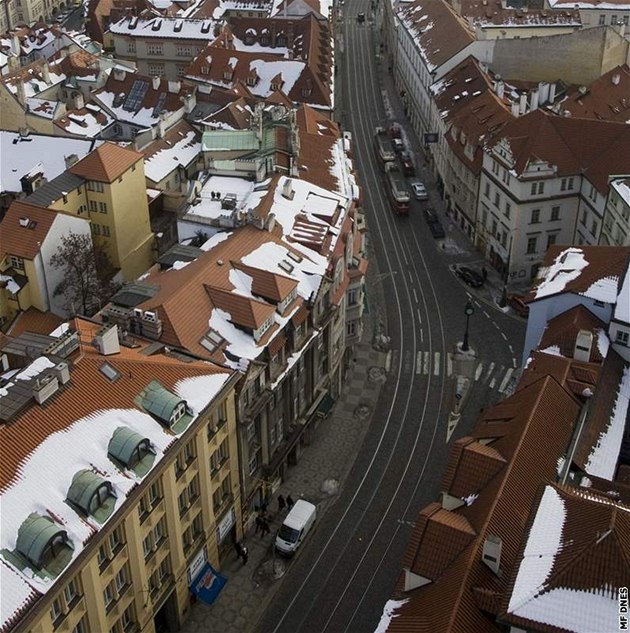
[[106, 340], [287, 189], [229, 201], [583, 346], [45, 388], [616, 78], [219, 262], [491, 554], [24, 222]]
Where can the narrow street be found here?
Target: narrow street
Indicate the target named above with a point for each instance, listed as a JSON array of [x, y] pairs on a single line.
[[347, 571]]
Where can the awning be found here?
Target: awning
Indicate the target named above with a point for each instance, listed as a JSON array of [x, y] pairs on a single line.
[[325, 405], [207, 584]]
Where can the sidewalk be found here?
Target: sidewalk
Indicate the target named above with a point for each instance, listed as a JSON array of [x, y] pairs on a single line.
[[323, 466]]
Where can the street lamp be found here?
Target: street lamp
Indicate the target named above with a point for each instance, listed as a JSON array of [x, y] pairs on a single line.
[[468, 311]]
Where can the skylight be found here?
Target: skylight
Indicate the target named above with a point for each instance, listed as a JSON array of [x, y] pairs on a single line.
[[286, 266], [109, 372], [294, 256]]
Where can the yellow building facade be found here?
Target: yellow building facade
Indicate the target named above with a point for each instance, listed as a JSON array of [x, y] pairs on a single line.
[[135, 573]]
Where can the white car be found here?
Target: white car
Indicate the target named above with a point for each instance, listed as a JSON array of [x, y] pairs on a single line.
[[419, 191]]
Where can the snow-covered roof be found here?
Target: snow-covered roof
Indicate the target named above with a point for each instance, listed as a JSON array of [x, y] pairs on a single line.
[[622, 307], [602, 462], [567, 267], [37, 150], [210, 208], [164, 28], [43, 477], [159, 165], [389, 612]]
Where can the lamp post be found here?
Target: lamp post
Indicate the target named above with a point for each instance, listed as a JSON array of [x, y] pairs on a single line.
[[468, 311]]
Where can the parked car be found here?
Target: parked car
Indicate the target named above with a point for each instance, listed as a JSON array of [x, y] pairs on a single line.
[[419, 190], [437, 230], [518, 305], [398, 144], [469, 276], [360, 17], [394, 130], [407, 164]]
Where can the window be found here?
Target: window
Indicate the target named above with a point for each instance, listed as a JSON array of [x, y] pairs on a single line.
[[93, 185], [155, 49], [273, 437], [613, 19], [180, 70], [495, 168], [155, 493], [602, 20], [193, 489], [147, 546], [121, 579], [127, 621], [106, 231], [594, 227], [96, 229], [182, 503], [531, 245], [494, 227], [197, 526], [535, 219], [102, 557], [56, 609], [131, 46], [116, 539], [189, 452], [93, 206], [593, 194], [102, 207], [108, 594], [506, 177], [159, 531], [253, 463], [486, 190], [622, 338], [251, 431], [555, 213], [156, 70], [497, 199], [566, 184], [71, 592], [164, 569], [183, 51], [81, 626], [16, 262], [223, 451], [537, 188], [508, 209], [551, 239]]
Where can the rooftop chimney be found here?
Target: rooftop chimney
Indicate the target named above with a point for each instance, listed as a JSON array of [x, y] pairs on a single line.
[[46, 73], [21, 91], [156, 83], [45, 387], [106, 340], [616, 78], [70, 160]]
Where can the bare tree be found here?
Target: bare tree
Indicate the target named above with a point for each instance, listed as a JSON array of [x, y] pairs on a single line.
[[87, 273]]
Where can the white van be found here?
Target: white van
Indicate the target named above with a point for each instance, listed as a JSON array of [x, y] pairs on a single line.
[[295, 527]]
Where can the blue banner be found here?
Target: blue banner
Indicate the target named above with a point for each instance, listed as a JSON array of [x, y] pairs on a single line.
[[208, 584]]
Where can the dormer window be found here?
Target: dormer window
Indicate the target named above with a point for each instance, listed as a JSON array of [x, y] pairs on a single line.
[[40, 540], [260, 332], [168, 408], [281, 40], [129, 449], [228, 74], [91, 495]]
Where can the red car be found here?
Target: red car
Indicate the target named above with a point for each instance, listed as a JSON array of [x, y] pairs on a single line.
[[518, 305]]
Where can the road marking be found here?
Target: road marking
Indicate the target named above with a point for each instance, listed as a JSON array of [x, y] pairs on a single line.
[[436, 365], [449, 364], [410, 276], [421, 335], [503, 335], [425, 365], [487, 315], [496, 325], [506, 379], [493, 382], [511, 348], [478, 371], [415, 296], [514, 363], [418, 362], [490, 370], [419, 316]]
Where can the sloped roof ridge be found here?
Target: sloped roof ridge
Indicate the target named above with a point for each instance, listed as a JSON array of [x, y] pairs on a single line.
[[541, 385]]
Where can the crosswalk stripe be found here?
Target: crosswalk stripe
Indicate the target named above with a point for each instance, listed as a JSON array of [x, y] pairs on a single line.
[[493, 382], [449, 364], [506, 379], [478, 371], [490, 370], [418, 362], [425, 366], [436, 364]]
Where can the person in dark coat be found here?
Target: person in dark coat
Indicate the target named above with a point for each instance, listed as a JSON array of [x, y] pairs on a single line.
[[244, 554], [281, 503], [290, 502], [264, 528]]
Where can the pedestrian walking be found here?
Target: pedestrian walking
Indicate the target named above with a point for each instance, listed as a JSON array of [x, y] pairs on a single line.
[[244, 554], [281, 503], [289, 502], [264, 528]]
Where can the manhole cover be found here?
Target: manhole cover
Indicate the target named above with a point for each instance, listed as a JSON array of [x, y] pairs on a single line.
[[376, 374], [362, 411]]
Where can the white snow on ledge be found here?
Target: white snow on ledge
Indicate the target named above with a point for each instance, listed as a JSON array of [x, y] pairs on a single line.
[[566, 267], [388, 614]]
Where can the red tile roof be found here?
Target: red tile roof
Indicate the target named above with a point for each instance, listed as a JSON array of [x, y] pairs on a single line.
[[106, 163], [24, 228]]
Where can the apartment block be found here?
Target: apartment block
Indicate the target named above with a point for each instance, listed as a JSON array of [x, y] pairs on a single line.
[[127, 495]]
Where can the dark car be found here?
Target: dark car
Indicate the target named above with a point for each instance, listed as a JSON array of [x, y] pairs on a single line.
[[407, 163], [436, 228], [469, 276], [360, 17], [518, 305]]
